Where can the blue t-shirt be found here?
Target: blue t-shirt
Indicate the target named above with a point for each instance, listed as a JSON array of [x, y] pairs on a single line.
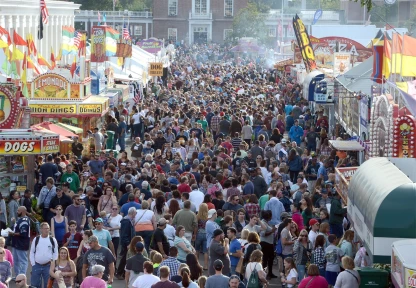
[[234, 246], [22, 242], [96, 166], [322, 171], [125, 208], [121, 126], [248, 188], [103, 237]]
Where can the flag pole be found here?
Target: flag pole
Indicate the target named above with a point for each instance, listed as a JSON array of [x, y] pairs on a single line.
[[401, 60], [393, 66]]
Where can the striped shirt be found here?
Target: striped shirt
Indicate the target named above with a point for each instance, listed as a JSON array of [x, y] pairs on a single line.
[[215, 121]]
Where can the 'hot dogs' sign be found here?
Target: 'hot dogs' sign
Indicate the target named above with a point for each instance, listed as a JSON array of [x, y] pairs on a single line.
[[13, 147]]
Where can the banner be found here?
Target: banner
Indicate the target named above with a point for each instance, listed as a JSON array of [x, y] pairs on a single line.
[[124, 48], [50, 85], [53, 109], [151, 45], [403, 135], [98, 42], [156, 69], [341, 63], [50, 145], [304, 44]]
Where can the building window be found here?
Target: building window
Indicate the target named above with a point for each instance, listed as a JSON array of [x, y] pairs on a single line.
[[201, 7], [228, 33], [271, 32], [138, 30], [173, 8], [172, 34], [228, 8]]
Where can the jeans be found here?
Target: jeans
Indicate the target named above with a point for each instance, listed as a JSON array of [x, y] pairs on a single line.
[[122, 142], [147, 236], [115, 241], [322, 272], [137, 128], [301, 272], [20, 261], [122, 264], [232, 270], [40, 272], [201, 242], [336, 229]]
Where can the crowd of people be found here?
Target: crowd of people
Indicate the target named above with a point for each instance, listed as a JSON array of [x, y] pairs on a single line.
[[228, 181]]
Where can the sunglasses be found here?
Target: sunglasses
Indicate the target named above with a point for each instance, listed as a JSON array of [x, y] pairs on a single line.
[[18, 281]]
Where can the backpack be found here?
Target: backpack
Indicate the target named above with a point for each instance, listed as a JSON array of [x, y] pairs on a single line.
[[253, 281], [50, 239], [279, 247]]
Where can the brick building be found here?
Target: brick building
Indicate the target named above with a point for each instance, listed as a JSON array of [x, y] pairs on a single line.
[[195, 21]]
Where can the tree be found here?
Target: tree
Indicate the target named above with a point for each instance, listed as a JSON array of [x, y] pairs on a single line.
[[411, 23], [367, 3], [107, 5], [250, 22], [264, 5]]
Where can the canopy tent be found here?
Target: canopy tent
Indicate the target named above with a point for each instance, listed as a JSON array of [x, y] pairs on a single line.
[[62, 139], [346, 145], [381, 205], [71, 128], [56, 129]]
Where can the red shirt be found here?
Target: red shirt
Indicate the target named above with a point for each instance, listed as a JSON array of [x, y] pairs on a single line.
[[316, 282], [184, 188], [228, 146], [73, 243]]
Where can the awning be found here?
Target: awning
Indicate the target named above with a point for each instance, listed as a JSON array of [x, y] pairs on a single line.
[[358, 78], [346, 145], [70, 128], [62, 138], [56, 129], [93, 106]]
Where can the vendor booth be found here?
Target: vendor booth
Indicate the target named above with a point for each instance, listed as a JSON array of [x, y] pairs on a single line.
[[403, 263], [18, 148], [343, 177], [381, 206]]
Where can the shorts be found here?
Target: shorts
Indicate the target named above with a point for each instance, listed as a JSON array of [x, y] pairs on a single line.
[[331, 277], [201, 242]]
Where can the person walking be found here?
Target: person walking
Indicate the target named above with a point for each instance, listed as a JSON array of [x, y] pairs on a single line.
[[134, 265], [103, 235], [21, 241], [77, 212], [219, 249], [43, 250], [147, 279], [219, 279], [63, 270], [97, 272], [47, 193], [5, 268], [186, 218], [126, 235]]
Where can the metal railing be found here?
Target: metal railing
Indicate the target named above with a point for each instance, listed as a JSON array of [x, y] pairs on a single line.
[[207, 16], [139, 14]]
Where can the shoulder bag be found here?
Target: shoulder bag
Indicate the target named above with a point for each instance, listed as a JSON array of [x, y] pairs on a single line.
[[145, 226]]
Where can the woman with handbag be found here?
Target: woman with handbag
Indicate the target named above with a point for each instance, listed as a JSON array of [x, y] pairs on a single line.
[[301, 253], [145, 224], [107, 201], [63, 270], [45, 196]]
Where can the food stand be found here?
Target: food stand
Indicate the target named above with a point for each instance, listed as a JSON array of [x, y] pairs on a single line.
[[351, 147], [381, 206], [403, 263], [342, 181]]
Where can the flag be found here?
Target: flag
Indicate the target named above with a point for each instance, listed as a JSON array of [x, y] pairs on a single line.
[[40, 28], [3, 31], [17, 54], [59, 57], [120, 61], [99, 18], [408, 92], [9, 40], [138, 94], [111, 37], [73, 66], [18, 40], [53, 61], [386, 58], [77, 40], [3, 44], [396, 53], [82, 44], [13, 70], [68, 37], [42, 61], [104, 18], [126, 33], [24, 61], [44, 12], [23, 78], [409, 57], [31, 65], [31, 48]]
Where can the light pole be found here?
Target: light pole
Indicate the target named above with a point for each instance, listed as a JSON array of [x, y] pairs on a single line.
[[114, 14], [281, 29]]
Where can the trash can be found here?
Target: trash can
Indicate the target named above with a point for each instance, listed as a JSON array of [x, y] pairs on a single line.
[[373, 277], [110, 139]]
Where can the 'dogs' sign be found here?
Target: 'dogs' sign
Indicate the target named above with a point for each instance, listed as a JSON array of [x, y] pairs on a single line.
[[156, 69]]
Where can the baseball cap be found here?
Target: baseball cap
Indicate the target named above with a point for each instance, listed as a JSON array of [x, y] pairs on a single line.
[[211, 212], [283, 141], [93, 178], [161, 222], [284, 215], [218, 264], [313, 222], [99, 220], [139, 245], [92, 239], [217, 232]]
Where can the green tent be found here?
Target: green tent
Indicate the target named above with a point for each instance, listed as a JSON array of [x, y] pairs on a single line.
[[382, 206]]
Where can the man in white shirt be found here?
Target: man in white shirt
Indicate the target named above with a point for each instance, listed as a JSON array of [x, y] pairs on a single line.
[[136, 124], [314, 231], [43, 250], [196, 196], [147, 279], [255, 225]]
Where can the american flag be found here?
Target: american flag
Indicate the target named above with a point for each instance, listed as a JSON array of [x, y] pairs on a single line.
[[77, 39], [44, 11], [126, 33]]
